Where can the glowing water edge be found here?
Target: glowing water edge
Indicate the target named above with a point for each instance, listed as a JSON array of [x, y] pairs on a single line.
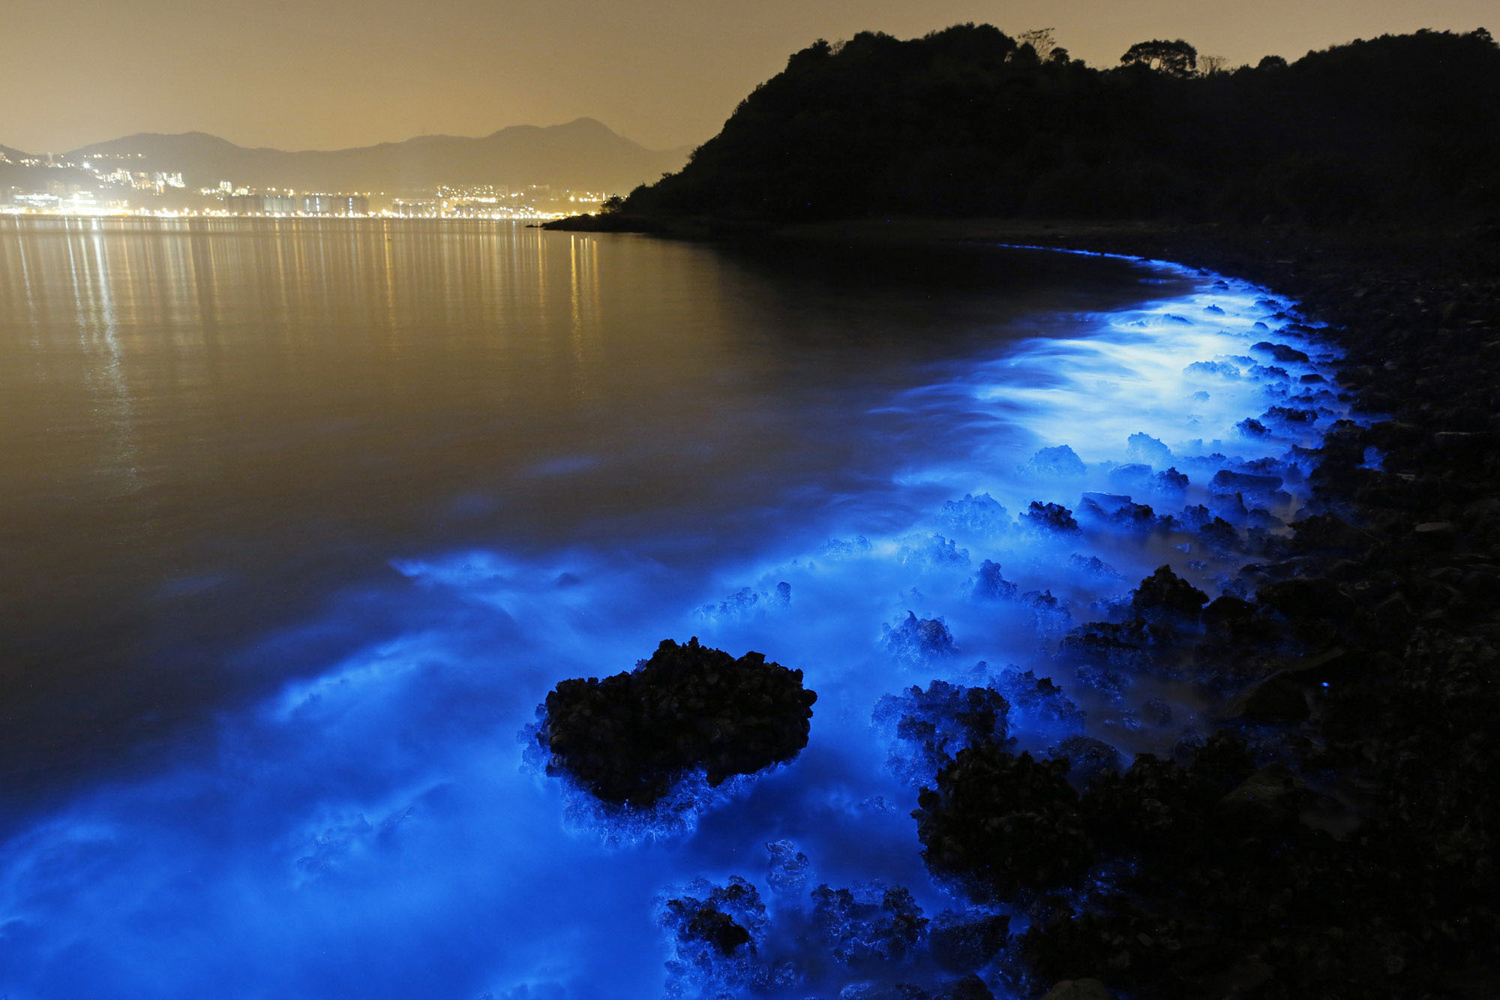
[[381, 829]]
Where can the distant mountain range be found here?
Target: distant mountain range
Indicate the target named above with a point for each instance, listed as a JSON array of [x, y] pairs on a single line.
[[582, 155]]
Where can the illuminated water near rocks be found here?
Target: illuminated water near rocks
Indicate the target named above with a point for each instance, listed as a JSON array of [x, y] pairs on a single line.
[[346, 807]]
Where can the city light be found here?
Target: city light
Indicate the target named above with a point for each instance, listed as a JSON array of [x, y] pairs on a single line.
[[102, 184]]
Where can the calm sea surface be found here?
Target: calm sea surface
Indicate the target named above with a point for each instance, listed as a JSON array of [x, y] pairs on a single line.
[[300, 521], [209, 428]]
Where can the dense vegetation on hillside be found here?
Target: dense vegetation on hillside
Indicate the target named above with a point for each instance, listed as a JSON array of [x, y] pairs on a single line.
[[969, 121]]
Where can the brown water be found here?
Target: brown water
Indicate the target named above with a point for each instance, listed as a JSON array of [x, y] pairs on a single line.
[[209, 430]]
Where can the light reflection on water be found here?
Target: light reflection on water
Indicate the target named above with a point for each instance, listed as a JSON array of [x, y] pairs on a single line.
[[308, 408]]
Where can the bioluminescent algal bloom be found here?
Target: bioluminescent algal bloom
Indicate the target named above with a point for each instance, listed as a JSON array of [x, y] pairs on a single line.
[[379, 828]]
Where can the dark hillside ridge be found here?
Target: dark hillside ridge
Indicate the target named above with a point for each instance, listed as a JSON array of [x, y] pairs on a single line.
[[966, 121]]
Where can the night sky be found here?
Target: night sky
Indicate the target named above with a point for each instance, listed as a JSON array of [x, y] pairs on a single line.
[[334, 73]]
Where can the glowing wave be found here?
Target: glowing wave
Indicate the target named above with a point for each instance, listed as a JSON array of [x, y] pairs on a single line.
[[374, 831]]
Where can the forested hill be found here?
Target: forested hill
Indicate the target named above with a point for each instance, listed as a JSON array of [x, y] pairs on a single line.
[[967, 121]]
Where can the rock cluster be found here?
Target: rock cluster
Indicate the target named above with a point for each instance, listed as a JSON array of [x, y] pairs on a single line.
[[1338, 838]]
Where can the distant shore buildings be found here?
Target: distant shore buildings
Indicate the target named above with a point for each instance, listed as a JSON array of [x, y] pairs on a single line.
[[100, 186], [288, 204]]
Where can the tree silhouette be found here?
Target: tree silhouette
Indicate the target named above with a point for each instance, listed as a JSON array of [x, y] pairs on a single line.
[[1173, 58], [969, 121]]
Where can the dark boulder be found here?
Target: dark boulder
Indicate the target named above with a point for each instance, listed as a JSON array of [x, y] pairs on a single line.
[[1004, 824], [962, 942], [1277, 699], [1050, 516], [631, 737], [1164, 594], [1087, 757], [1281, 352]]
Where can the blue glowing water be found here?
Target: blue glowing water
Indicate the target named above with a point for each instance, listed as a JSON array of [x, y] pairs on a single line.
[[369, 824]]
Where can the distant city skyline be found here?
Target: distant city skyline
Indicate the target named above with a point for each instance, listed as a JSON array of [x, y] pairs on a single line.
[[330, 74]]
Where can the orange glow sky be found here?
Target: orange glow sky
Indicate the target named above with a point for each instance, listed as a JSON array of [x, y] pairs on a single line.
[[333, 73]]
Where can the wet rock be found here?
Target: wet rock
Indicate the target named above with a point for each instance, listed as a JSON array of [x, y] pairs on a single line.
[[1274, 787], [1278, 699], [1213, 369], [629, 738], [1131, 477], [919, 638], [789, 867], [1060, 462], [1039, 698], [1005, 824], [716, 929], [1142, 447], [989, 585], [1329, 533], [1156, 712], [1087, 757], [1291, 415], [1215, 532], [971, 987], [1281, 352], [1172, 481], [1250, 427], [1164, 594], [1309, 604], [925, 551], [868, 922], [1117, 511], [1110, 684], [1050, 516], [1078, 989], [962, 942], [1094, 568], [883, 991], [934, 724], [1049, 616], [981, 514], [1228, 481], [1114, 643]]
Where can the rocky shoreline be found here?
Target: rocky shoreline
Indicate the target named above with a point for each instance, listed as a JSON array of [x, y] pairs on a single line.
[[1336, 838], [1391, 590]]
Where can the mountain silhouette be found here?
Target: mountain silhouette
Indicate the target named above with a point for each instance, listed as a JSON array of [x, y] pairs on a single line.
[[583, 154]]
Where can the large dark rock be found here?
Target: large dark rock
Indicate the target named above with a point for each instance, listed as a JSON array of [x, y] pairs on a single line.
[[1050, 516], [1277, 699], [1004, 824], [1281, 352], [1087, 757], [962, 942], [1165, 594], [630, 737]]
